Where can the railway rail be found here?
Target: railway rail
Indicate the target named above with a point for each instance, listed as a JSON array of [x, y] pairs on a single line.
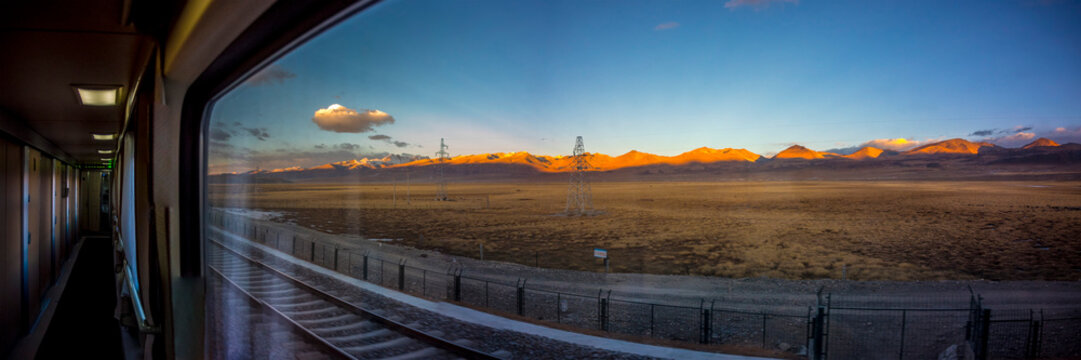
[[329, 323]]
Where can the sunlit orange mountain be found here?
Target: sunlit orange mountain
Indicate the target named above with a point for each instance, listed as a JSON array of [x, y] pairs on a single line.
[[800, 152], [958, 156], [951, 146], [597, 161], [1040, 142], [705, 155], [867, 152]]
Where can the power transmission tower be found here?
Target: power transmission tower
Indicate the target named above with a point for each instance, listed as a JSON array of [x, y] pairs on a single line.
[[579, 194], [441, 188]]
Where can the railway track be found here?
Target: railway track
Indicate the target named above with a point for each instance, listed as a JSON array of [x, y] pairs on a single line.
[[328, 322]]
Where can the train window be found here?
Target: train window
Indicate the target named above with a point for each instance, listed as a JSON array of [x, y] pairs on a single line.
[[126, 203], [556, 179]]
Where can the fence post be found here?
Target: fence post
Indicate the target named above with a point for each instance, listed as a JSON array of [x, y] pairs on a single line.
[[604, 314], [312, 251], [1035, 349], [423, 282], [602, 308], [366, 265], [764, 329], [651, 305], [706, 327], [985, 332], [335, 259], [808, 332], [904, 318], [817, 332], [458, 287], [401, 275], [817, 350], [978, 319], [559, 307], [521, 296]]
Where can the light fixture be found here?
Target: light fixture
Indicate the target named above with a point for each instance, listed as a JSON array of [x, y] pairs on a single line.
[[104, 137], [106, 159], [98, 95], [105, 152]]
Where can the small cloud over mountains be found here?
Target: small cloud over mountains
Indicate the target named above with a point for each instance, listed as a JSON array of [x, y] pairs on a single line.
[[222, 132], [1011, 137], [895, 144], [273, 74], [347, 146], [389, 140], [1021, 136], [898, 144], [1065, 135], [218, 134], [989, 132], [666, 26], [755, 4], [258, 133], [340, 119]]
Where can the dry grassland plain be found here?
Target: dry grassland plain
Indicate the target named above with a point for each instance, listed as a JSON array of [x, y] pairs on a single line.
[[790, 230]]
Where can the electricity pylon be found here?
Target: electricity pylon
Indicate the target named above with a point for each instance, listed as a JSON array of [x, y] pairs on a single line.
[[579, 193], [441, 187]]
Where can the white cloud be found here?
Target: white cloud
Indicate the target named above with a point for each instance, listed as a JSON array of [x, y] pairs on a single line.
[[341, 119], [755, 4], [666, 26], [1021, 136], [1063, 135]]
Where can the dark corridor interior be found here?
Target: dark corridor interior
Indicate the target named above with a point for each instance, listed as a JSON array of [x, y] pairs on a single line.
[[83, 325]]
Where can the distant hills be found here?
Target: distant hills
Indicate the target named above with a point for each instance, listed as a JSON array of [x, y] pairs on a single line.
[[800, 152], [1040, 142], [945, 159]]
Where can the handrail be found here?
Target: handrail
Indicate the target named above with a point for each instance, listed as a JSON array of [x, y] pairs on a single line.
[[133, 290]]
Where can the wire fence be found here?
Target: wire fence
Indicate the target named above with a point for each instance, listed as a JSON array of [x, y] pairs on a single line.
[[845, 331]]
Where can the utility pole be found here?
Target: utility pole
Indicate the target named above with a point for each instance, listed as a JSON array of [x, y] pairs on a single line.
[[441, 187], [579, 193]]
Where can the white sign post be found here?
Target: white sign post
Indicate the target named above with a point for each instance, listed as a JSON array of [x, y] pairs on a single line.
[[603, 254]]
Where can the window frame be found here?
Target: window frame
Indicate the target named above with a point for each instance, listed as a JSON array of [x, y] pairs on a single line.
[[283, 27]]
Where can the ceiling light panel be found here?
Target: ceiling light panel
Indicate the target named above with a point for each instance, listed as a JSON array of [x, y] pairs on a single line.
[[98, 95], [104, 137]]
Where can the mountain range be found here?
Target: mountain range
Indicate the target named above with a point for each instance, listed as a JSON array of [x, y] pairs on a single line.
[[958, 154]]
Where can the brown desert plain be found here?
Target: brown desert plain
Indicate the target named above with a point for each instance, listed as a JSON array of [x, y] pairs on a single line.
[[875, 230]]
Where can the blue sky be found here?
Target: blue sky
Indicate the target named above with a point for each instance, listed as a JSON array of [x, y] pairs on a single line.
[[661, 77]]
